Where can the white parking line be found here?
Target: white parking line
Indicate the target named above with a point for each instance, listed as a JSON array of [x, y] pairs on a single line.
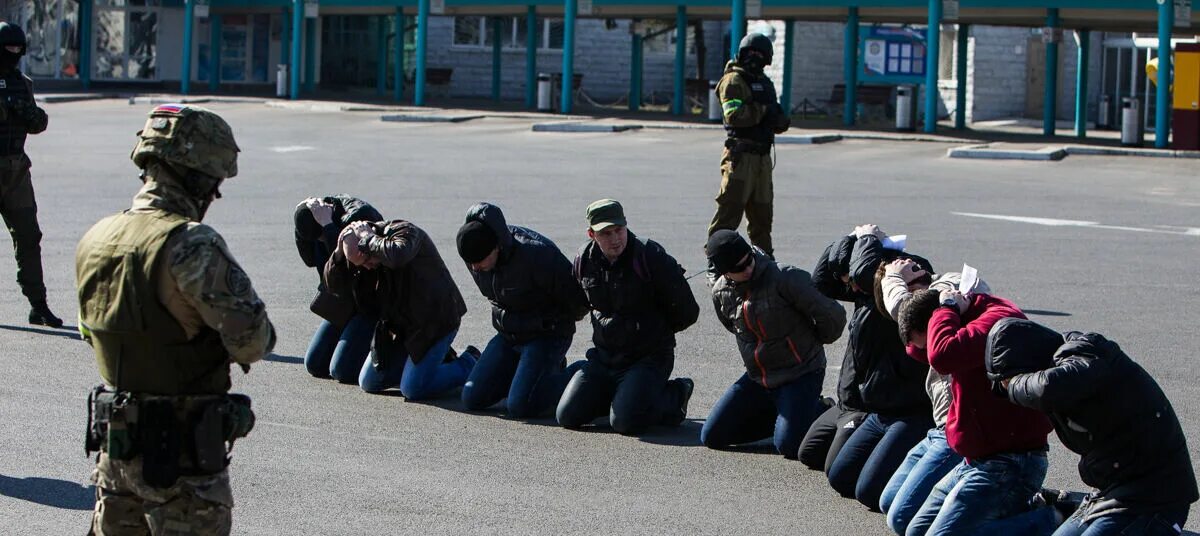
[[292, 148], [1162, 229]]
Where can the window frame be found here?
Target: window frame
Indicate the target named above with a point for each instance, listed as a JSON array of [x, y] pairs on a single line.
[[511, 43]]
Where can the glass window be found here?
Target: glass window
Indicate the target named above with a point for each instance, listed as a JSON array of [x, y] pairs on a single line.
[[553, 31], [143, 40], [468, 31], [110, 44], [478, 32]]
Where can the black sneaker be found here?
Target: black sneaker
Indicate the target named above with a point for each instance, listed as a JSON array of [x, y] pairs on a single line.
[[686, 386], [40, 315]]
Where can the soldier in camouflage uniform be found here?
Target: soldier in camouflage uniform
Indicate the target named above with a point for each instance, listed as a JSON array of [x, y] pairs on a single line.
[[752, 117], [167, 309], [19, 117]]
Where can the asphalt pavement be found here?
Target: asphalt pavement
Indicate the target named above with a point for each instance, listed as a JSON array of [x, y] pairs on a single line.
[[1090, 243]]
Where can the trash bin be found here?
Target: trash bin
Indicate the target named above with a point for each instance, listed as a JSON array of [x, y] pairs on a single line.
[[544, 102], [1132, 132], [714, 103], [906, 109], [281, 80], [1104, 115]]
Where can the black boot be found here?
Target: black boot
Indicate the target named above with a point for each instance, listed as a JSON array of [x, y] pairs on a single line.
[[40, 315], [686, 386]]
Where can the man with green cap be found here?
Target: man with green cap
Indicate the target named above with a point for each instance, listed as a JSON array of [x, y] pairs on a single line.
[[639, 300], [752, 117], [167, 309]]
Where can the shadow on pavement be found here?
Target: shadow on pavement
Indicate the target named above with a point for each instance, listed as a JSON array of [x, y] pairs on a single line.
[[291, 360], [1040, 312], [686, 434], [49, 492], [67, 331]]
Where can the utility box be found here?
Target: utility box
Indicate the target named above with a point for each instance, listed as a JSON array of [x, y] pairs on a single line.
[[906, 108], [1133, 133], [1185, 112], [544, 101]]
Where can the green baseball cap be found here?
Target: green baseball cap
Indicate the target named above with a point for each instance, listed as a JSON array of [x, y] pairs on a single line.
[[605, 213]]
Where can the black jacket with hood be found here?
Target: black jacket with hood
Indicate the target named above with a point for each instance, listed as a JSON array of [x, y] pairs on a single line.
[[1105, 407], [877, 374], [638, 303], [532, 290]]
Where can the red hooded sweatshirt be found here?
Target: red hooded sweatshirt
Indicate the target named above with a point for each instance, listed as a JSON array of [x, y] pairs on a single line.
[[980, 424]]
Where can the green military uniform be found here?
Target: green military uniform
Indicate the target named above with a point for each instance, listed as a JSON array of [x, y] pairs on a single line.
[[167, 309], [752, 118], [19, 117]]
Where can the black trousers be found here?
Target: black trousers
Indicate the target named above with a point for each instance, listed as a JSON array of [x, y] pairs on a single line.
[[19, 210], [827, 435], [634, 398]]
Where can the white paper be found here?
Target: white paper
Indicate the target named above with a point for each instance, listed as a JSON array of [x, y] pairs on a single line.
[[970, 278], [896, 242]]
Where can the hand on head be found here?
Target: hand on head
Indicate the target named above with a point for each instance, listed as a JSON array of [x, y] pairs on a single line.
[[869, 229], [953, 296], [348, 244], [908, 269], [321, 211]]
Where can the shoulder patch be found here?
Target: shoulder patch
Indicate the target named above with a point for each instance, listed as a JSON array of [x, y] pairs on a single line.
[[237, 280]]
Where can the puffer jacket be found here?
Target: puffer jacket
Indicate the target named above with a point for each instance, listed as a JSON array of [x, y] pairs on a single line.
[[877, 375], [638, 303], [411, 291], [1105, 407], [780, 320], [532, 290], [315, 244]]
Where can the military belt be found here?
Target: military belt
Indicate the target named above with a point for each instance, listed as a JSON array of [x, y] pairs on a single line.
[[10, 162], [742, 145]]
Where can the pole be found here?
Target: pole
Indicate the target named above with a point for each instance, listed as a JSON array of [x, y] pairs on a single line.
[[398, 75], [789, 59], [422, 37], [568, 56], [933, 52], [531, 49], [189, 18], [1162, 106], [850, 68], [960, 72], [1050, 97], [677, 106], [1081, 84]]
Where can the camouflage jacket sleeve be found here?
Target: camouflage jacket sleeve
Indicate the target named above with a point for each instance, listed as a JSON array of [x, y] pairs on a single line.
[[737, 102], [215, 291], [37, 120]]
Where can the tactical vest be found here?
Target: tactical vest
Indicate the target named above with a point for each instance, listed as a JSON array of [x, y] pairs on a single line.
[[13, 88], [139, 346], [762, 91]]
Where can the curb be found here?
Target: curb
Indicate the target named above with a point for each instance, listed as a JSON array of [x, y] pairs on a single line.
[[55, 99], [429, 118], [1129, 151], [808, 139], [574, 127], [1045, 154]]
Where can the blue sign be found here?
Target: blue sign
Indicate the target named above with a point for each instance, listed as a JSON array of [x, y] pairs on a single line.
[[891, 55]]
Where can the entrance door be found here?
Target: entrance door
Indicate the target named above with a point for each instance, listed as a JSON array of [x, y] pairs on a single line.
[[1035, 77]]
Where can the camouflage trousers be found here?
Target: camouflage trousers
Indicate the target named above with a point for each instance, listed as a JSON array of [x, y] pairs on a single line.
[[127, 505], [746, 189], [19, 209]]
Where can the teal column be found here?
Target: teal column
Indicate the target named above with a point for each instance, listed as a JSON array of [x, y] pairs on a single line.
[[789, 58], [189, 18], [1050, 97], [681, 25], [850, 68], [285, 34], [310, 55], [932, 53], [568, 54], [381, 55], [737, 27], [294, 64], [960, 73], [422, 34], [1081, 84], [531, 49], [214, 52], [1162, 106], [85, 43], [398, 75], [635, 72], [496, 49]]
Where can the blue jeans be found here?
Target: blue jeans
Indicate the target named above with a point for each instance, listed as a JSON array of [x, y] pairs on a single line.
[[987, 496], [1165, 523], [749, 412], [924, 467], [634, 398], [418, 381], [339, 352], [530, 376], [872, 454]]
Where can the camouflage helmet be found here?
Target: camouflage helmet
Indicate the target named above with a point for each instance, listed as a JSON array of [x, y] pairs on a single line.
[[189, 137]]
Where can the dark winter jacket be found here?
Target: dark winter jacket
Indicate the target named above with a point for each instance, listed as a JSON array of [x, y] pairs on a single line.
[[1106, 408], [411, 291], [532, 290], [315, 243], [877, 376], [979, 424], [638, 302], [781, 321]]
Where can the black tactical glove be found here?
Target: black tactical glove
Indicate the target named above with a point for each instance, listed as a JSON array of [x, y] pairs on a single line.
[[780, 120]]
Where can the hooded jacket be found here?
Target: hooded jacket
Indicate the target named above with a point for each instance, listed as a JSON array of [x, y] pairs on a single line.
[[638, 303], [411, 291], [532, 290], [1106, 408], [780, 321], [876, 375], [979, 423], [315, 243]]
